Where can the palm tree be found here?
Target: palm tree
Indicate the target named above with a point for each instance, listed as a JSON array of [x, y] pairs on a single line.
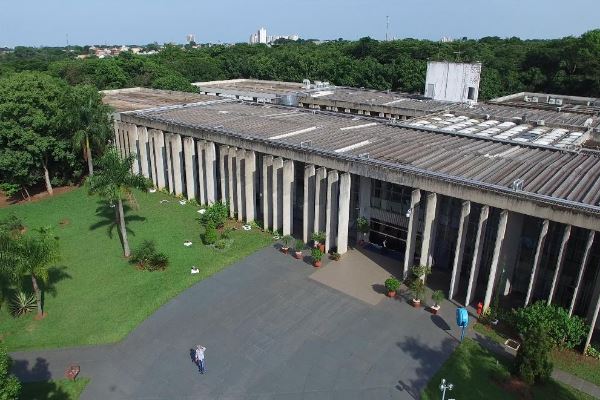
[[29, 255], [114, 182], [90, 120]]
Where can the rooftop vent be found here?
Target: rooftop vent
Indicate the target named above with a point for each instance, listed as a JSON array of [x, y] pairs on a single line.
[[517, 184], [540, 122], [306, 143], [364, 155], [306, 83], [534, 99], [559, 102]]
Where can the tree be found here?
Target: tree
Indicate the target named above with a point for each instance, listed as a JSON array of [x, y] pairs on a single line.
[[532, 363], [10, 387], [114, 182], [32, 256], [89, 118], [31, 108]]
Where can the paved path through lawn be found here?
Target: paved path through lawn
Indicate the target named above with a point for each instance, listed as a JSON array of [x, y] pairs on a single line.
[[271, 332]]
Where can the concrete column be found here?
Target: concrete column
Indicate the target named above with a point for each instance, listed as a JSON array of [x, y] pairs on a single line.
[[308, 217], [460, 248], [478, 250], [143, 144], [343, 213], [250, 187], [584, 260], [429, 230], [210, 169], [413, 219], [231, 177], [332, 210], [169, 149], [239, 183], [536, 261], [152, 156], [267, 194], [559, 262], [288, 197], [495, 259], [133, 137], [190, 181], [177, 177], [364, 197], [320, 199], [159, 148], [223, 150], [125, 138], [200, 151], [594, 319], [277, 194], [510, 249], [117, 131]]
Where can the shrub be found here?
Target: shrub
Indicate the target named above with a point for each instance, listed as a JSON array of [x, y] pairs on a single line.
[[437, 297], [593, 351], [23, 303], [420, 272], [9, 384], [362, 225], [287, 240], [226, 234], [299, 245], [532, 363], [216, 213], [12, 224], [147, 257], [392, 284], [221, 244], [210, 233], [318, 237], [316, 254], [336, 256], [563, 330], [417, 288]]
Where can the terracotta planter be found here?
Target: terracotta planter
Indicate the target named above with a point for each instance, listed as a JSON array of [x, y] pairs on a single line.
[[321, 247], [434, 309], [416, 303], [284, 250], [391, 293], [316, 264], [298, 255]]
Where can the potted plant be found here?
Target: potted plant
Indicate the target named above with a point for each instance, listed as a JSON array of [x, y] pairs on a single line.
[[363, 227], [437, 297], [391, 284], [287, 240], [417, 288], [299, 247], [316, 255], [319, 239], [335, 256]]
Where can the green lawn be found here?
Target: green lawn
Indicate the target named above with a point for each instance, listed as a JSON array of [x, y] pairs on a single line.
[[53, 390], [97, 297], [474, 372], [570, 361]]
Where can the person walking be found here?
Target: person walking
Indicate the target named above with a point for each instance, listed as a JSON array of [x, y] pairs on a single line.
[[200, 358]]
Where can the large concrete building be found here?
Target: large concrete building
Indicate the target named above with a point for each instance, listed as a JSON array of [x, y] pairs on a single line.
[[494, 197]]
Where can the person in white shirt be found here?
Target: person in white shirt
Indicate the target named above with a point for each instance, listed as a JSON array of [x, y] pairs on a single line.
[[200, 358]]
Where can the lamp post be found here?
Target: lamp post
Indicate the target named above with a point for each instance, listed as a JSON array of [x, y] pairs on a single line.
[[444, 386]]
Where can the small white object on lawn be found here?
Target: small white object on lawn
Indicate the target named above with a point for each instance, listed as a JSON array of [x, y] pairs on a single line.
[[246, 227], [202, 210], [187, 243], [152, 190], [164, 201], [182, 202], [195, 270]]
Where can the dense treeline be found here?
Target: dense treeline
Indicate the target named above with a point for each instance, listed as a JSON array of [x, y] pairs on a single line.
[[570, 65], [51, 122]]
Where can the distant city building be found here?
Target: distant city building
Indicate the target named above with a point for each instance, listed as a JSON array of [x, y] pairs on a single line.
[[446, 39], [190, 38], [261, 37], [448, 81]]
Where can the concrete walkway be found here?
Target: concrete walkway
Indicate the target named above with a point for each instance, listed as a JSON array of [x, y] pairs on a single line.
[[271, 332]]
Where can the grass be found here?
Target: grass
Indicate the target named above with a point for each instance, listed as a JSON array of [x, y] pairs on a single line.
[[570, 361], [63, 389], [97, 297], [475, 371]]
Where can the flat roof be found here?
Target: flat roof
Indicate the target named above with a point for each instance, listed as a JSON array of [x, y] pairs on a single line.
[[251, 86], [142, 98], [571, 177], [549, 101]]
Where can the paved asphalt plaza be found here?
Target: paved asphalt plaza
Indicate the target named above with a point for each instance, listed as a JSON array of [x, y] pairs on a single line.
[[271, 332]]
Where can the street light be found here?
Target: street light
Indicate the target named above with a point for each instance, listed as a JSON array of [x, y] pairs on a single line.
[[444, 386]]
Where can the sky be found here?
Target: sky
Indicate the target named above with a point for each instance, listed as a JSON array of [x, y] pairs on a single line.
[[49, 22]]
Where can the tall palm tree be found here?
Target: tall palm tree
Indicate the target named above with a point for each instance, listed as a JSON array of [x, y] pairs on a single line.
[[90, 120], [114, 182], [23, 256]]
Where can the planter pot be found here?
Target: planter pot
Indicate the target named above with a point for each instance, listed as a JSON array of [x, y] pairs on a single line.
[[316, 264], [284, 250], [434, 309], [298, 255], [321, 247], [416, 303], [391, 293]]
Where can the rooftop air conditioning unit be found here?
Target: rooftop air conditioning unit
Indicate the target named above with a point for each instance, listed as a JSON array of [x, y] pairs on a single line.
[[559, 102], [306, 83], [534, 99], [527, 99], [540, 122], [517, 184], [551, 101]]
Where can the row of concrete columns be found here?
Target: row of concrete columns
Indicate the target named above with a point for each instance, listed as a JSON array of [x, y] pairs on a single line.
[[327, 206], [238, 181]]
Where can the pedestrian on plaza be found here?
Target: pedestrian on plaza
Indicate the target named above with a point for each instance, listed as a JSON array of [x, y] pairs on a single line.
[[200, 358]]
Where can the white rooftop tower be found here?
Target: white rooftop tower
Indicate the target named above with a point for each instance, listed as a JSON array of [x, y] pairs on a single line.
[[453, 81]]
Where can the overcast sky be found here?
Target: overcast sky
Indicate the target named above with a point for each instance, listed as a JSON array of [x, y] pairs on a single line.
[[47, 22]]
